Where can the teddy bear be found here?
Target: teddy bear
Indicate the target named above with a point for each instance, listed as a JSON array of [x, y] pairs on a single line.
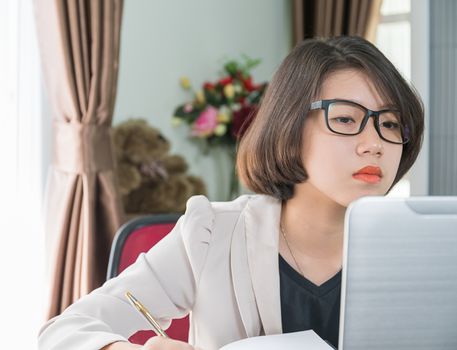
[[151, 180]]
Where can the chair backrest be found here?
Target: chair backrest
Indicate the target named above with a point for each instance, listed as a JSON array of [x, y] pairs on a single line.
[[135, 237]]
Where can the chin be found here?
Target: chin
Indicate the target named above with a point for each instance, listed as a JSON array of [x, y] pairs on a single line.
[[353, 197]]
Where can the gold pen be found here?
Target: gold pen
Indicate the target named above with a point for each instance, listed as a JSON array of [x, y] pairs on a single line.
[[147, 315]]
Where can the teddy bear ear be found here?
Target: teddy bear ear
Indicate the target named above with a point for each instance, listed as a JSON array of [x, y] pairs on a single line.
[[122, 130]]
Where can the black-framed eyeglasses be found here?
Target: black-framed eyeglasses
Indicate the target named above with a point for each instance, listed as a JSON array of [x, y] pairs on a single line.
[[350, 118]]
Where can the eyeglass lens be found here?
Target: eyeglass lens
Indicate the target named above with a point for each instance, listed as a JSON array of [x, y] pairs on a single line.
[[347, 118]]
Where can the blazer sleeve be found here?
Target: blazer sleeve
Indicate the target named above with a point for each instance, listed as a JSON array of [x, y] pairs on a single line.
[[165, 279]]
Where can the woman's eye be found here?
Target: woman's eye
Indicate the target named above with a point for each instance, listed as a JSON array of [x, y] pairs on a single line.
[[343, 120], [390, 125]]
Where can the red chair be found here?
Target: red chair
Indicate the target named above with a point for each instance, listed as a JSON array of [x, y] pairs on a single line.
[[137, 236]]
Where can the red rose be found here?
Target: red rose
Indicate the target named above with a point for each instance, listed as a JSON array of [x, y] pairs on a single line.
[[242, 119], [248, 84], [208, 86], [226, 81]]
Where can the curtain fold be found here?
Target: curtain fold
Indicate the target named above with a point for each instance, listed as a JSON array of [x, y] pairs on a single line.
[[327, 18], [79, 46]]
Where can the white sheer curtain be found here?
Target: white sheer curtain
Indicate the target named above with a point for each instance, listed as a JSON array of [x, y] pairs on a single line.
[[23, 130]]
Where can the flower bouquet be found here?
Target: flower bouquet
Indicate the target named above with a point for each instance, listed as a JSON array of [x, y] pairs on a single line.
[[220, 111]]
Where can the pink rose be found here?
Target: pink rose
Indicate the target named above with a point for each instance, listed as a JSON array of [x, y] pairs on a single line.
[[205, 123]]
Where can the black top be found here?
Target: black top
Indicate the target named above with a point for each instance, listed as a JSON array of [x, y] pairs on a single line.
[[307, 306]]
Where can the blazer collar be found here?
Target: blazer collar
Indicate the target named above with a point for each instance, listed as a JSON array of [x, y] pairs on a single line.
[[255, 241]]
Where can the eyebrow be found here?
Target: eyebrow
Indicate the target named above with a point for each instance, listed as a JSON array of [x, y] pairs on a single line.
[[388, 106]]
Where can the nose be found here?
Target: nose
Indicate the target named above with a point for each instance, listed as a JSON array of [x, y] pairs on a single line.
[[369, 141]]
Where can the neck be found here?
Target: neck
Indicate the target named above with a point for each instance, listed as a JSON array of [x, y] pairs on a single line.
[[312, 220]]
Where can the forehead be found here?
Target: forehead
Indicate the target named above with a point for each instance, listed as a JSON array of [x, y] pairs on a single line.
[[353, 85]]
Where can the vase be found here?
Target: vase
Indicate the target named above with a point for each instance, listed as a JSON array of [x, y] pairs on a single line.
[[226, 184], [234, 188]]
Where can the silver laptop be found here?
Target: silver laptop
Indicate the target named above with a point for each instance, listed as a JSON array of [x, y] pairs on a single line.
[[399, 282]]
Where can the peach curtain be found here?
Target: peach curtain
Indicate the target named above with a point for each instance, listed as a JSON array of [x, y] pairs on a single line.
[[327, 18], [79, 46]]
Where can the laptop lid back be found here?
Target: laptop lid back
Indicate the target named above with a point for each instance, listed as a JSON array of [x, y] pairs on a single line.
[[399, 283]]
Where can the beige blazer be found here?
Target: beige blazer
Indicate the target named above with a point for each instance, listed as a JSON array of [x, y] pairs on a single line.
[[220, 264]]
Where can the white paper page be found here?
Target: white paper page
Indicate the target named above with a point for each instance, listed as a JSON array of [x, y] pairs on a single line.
[[308, 340]]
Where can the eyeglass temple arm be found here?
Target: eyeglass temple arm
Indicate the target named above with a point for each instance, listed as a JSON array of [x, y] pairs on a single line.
[[316, 105]]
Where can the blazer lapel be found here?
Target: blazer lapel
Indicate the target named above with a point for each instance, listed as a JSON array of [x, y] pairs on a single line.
[[262, 215], [241, 279]]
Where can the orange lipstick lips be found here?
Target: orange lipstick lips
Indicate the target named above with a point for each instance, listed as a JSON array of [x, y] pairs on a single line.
[[369, 174]]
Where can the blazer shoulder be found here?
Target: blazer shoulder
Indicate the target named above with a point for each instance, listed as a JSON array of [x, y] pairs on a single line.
[[199, 213], [200, 206], [202, 215], [202, 209], [243, 202]]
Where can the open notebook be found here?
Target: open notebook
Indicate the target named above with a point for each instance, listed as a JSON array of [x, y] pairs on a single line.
[[308, 340]]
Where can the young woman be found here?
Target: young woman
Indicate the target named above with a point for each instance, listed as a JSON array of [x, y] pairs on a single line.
[[337, 123]]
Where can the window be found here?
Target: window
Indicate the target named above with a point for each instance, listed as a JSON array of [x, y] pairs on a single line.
[[394, 40], [21, 181]]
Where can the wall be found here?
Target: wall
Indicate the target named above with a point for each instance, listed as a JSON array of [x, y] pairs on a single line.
[[164, 40]]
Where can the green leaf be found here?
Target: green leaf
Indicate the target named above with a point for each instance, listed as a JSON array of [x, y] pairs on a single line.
[[249, 62], [231, 67]]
